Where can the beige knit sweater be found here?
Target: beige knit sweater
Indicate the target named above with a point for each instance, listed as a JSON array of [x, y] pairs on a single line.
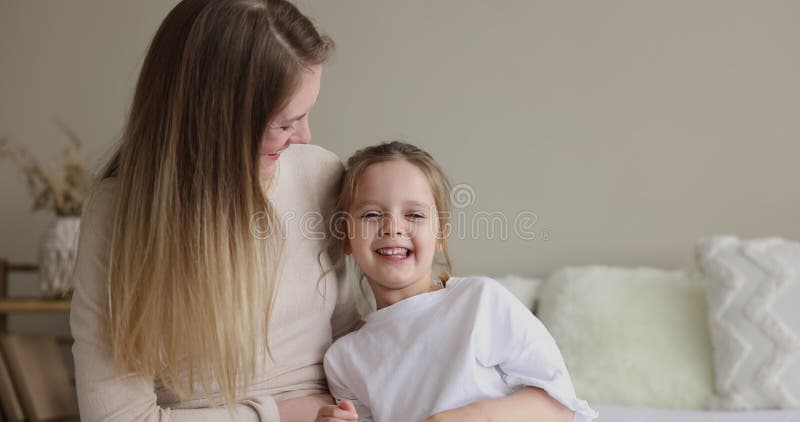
[[302, 327]]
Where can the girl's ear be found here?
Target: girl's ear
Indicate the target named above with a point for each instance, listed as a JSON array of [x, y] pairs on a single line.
[[346, 247]]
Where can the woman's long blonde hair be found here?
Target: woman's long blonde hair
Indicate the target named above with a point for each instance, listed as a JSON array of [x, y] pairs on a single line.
[[190, 286], [357, 164]]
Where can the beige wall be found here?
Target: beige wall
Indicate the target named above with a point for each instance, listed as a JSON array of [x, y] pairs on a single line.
[[629, 128], [73, 60]]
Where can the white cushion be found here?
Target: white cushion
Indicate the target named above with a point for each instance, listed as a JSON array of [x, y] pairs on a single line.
[[631, 336], [754, 316]]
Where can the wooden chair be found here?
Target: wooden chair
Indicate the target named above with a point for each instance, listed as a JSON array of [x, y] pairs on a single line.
[[39, 376], [34, 382], [6, 268], [12, 409]]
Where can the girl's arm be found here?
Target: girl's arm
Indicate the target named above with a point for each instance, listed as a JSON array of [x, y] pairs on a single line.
[[527, 404]]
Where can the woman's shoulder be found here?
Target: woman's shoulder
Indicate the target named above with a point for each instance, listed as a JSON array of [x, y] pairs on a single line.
[[101, 197], [105, 187], [319, 168], [314, 159], [97, 213]]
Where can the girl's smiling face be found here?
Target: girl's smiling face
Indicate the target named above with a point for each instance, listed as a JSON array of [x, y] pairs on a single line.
[[393, 233]]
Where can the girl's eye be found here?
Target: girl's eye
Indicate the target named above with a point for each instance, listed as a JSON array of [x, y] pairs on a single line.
[[415, 216], [369, 215]]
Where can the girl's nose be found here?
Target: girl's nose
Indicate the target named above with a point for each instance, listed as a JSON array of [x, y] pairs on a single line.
[[393, 227]]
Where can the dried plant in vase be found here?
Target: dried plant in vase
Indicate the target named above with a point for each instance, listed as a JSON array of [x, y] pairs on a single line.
[[62, 189]]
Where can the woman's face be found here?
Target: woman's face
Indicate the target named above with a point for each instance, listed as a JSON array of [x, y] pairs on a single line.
[[290, 126]]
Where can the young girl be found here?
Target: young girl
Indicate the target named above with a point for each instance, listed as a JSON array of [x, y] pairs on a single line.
[[431, 351]]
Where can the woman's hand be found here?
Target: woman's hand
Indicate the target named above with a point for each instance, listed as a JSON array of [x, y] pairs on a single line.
[[345, 411], [303, 409]]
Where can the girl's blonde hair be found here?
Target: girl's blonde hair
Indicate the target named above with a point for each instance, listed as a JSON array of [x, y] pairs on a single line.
[[190, 284], [358, 163]]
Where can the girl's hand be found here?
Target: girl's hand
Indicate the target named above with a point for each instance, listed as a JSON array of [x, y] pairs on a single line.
[[345, 411]]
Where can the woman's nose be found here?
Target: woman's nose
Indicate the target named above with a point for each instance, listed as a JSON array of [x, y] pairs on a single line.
[[302, 134]]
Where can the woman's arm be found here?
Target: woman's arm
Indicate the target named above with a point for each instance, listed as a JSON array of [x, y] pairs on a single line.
[[527, 404], [303, 409]]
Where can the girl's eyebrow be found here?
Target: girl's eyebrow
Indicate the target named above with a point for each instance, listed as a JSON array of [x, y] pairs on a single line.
[[418, 204], [362, 204]]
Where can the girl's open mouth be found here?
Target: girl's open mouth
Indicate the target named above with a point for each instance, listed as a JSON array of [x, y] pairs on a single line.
[[395, 254]]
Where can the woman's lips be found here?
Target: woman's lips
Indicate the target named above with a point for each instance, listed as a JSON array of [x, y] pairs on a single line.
[[274, 155]]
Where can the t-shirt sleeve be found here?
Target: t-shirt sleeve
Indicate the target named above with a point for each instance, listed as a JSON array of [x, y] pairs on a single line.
[[336, 372], [104, 393], [524, 351]]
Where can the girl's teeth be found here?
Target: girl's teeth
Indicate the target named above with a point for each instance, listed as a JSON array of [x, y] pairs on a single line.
[[401, 252]]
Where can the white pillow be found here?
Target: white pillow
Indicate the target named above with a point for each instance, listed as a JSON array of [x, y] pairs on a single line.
[[631, 336], [754, 315], [525, 289]]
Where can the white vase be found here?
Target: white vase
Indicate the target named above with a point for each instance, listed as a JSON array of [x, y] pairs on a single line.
[[57, 257]]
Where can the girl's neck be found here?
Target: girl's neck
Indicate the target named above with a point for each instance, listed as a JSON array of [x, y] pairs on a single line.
[[384, 298]]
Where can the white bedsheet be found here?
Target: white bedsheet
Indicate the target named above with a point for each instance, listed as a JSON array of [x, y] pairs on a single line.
[[641, 414]]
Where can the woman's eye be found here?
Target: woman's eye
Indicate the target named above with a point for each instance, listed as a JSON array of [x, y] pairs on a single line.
[[283, 127]]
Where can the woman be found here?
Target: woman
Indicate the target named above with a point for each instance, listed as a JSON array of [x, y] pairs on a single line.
[[180, 254]]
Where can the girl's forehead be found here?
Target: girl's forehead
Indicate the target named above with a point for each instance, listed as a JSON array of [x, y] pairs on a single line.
[[393, 181]]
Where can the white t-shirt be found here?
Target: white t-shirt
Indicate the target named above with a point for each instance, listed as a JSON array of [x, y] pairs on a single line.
[[444, 349]]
